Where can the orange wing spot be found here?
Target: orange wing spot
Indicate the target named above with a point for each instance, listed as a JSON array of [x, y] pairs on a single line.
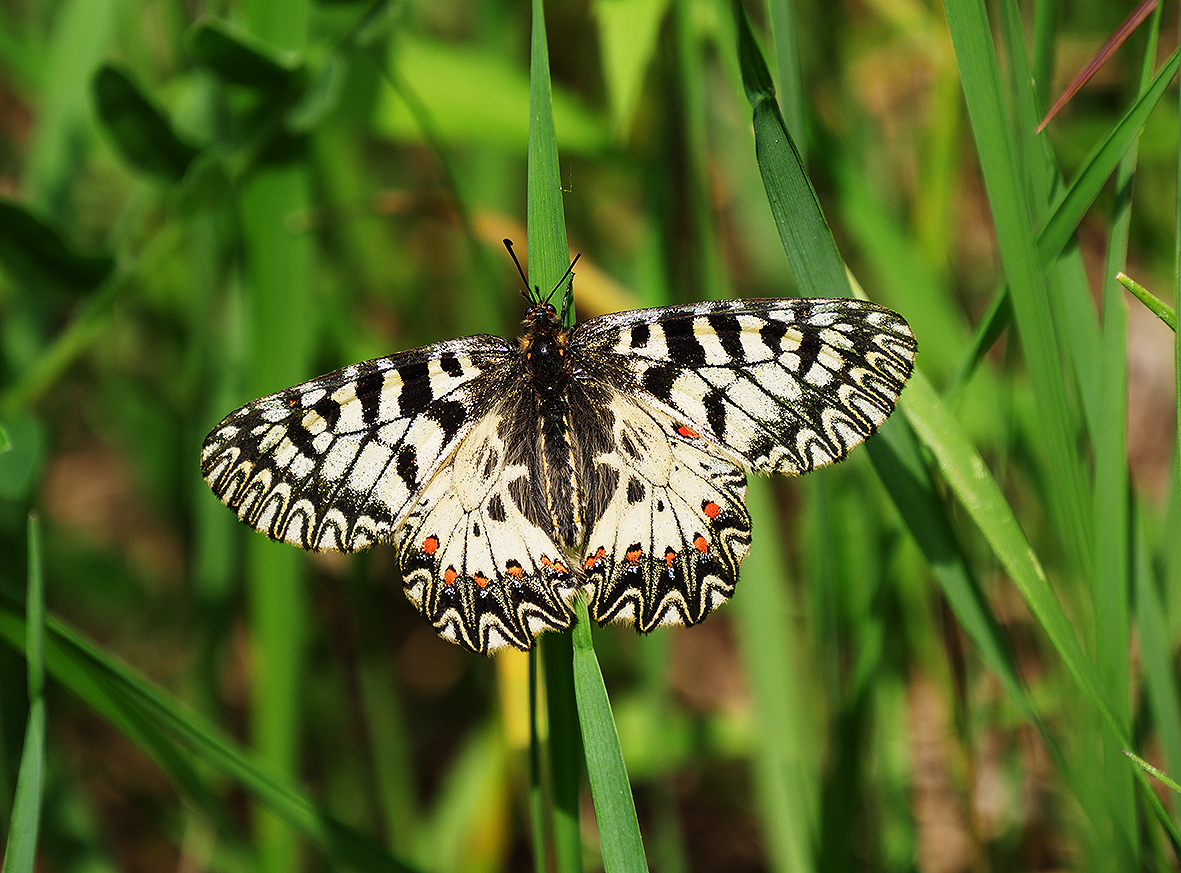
[[633, 554], [449, 575], [669, 557], [712, 510], [686, 431], [480, 579], [430, 545], [700, 544], [594, 559], [515, 570]]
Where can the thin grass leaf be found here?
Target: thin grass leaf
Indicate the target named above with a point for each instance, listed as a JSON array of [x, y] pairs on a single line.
[[20, 852], [566, 754], [1102, 56], [157, 723], [811, 251], [1155, 305], [1070, 206], [910, 488], [548, 261], [1013, 223], [1153, 771], [1160, 675], [979, 494], [784, 763], [615, 811], [545, 222]]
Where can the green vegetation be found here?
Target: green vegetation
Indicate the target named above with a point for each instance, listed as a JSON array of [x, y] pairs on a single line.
[[956, 650]]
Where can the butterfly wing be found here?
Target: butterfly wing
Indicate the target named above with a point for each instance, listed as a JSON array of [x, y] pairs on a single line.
[[478, 568], [781, 386], [337, 462], [706, 392], [666, 545]]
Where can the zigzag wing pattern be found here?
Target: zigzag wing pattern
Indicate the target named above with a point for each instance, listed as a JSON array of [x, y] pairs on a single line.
[[336, 462], [778, 385], [667, 547], [477, 568]]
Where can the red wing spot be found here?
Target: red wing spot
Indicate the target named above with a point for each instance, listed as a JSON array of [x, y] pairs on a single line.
[[449, 575], [515, 570], [633, 554], [711, 509], [292, 402], [686, 431], [430, 545], [700, 544], [594, 559], [480, 579], [559, 567], [669, 557]]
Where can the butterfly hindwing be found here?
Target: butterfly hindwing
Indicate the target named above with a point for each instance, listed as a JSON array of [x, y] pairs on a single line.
[[667, 547], [480, 572], [780, 385], [336, 462]]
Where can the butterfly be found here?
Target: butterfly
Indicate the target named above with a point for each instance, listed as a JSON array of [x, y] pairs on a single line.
[[610, 457]]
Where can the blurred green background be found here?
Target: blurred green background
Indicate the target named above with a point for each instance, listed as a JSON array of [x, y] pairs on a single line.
[[207, 203]]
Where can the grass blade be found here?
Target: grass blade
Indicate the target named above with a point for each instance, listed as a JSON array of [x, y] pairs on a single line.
[[548, 260], [171, 734], [615, 811], [810, 248], [20, 853]]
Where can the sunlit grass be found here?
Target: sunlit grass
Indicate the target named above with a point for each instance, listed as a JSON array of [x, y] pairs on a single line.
[[943, 651]]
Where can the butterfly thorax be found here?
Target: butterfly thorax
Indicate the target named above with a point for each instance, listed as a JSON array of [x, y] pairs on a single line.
[[547, 369], [544, 345]]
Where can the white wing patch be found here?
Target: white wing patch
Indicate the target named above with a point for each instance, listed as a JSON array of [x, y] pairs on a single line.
[[335, 463], [480, 572], [667, 548]]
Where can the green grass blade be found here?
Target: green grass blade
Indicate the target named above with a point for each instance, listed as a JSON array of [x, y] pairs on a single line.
[[1153, 771], [278, 283], [1160, 677], [1013, 223], [170, 733], [978, 492], [20, 852], [785, 38], [548, 260], [537, 811], [914, 495], [810, 248], [1072, 204], [565, 749], [1155, 305], [615, 811], [785, 768], [549, 253]]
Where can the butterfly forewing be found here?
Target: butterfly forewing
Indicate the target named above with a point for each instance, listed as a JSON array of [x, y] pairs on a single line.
[[779, 385], [336, 463]]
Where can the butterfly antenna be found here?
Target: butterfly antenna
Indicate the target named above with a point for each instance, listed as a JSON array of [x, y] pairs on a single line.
[[508, 244], [568, 278]]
